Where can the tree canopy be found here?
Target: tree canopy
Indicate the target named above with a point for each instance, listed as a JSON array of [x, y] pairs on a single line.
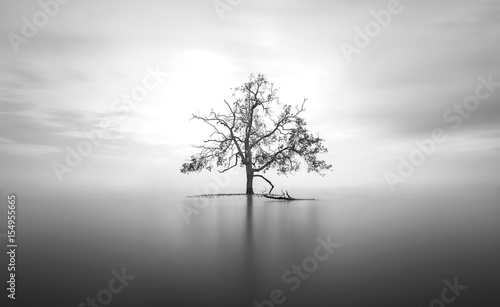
[[259, 133]]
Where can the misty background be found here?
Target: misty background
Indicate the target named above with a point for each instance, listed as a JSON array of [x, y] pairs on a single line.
[[369, 111], [119, 81]]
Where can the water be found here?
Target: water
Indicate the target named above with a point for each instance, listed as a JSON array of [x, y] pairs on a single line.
[[236, 250]]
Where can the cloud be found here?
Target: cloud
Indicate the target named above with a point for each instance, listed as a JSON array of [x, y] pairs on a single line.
[[30, 129], [64, 80]]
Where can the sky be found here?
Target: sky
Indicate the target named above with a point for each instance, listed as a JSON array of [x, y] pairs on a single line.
[[378, 76]]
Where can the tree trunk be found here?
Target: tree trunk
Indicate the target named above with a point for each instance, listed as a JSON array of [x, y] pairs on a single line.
[[249, 180]]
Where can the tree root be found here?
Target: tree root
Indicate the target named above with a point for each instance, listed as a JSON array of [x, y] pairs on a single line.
[[284, 196]]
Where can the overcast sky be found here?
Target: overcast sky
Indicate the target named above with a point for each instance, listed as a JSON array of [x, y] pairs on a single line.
[[67, 76]]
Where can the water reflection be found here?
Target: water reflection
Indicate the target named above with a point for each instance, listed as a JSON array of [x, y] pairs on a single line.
[[385, 254], [248, 265], [257, 240], [236, 250]]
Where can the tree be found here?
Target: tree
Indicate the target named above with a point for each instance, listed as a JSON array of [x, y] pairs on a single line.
[[259, 135]]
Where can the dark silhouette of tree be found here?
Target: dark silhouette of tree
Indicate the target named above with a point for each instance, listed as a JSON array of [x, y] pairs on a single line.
[[258, 133]]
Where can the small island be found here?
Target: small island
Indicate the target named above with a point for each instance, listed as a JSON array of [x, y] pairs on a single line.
[[258, 133]]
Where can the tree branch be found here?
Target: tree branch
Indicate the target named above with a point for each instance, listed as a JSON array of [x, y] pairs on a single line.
[[235, 164], [273, 158], [268, 181]]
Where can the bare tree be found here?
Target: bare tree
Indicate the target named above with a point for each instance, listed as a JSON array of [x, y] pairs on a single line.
[[258, 133]]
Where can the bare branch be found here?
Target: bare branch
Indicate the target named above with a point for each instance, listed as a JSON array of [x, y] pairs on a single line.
[[268, 181], [235, 164]]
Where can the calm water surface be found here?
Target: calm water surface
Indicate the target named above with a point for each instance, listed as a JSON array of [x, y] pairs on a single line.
[[236, 250]]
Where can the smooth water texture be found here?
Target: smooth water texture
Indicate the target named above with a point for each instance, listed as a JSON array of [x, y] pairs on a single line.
[[239, 251]]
